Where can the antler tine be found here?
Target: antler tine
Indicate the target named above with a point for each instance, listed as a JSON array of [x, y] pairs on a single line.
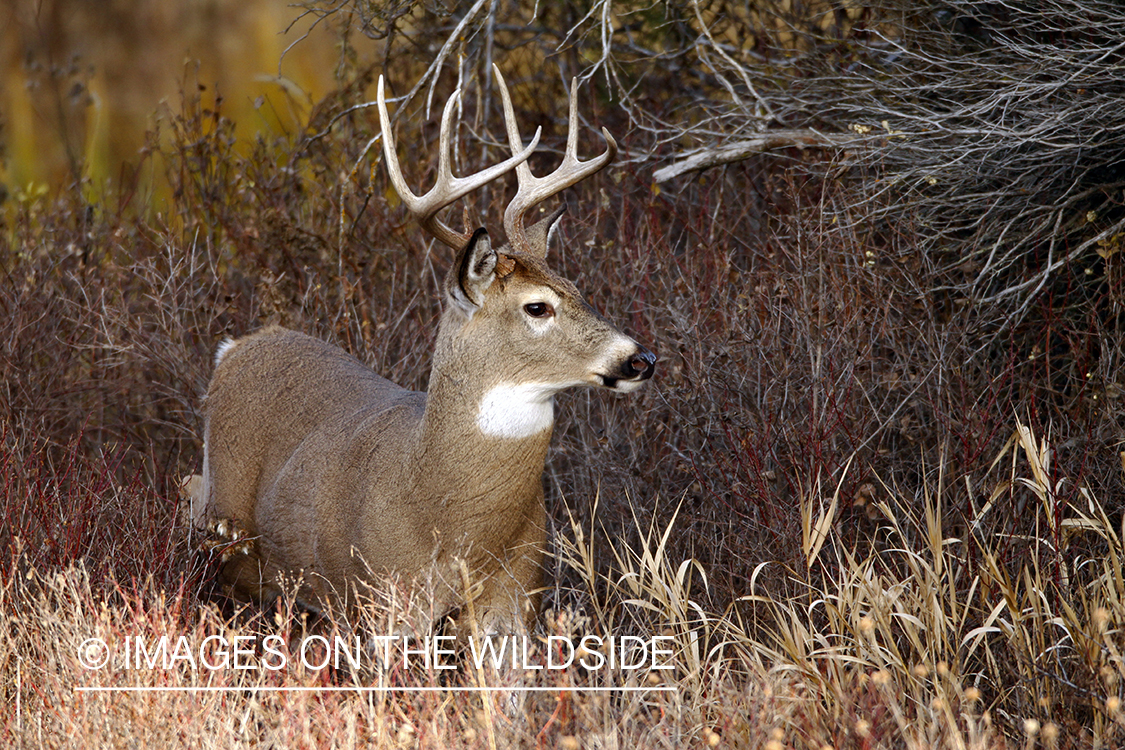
[[533, 190], [448, 188]]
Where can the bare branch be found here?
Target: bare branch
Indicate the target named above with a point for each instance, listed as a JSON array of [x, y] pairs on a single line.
[[705, 158]]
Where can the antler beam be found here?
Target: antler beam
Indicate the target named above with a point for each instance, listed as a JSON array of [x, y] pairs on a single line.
[[533, 190], [448, 188]]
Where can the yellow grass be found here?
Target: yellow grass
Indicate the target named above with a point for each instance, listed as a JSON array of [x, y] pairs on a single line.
[[927, 642]]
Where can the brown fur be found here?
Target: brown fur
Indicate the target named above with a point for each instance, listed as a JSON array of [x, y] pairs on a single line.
[[341, 474]]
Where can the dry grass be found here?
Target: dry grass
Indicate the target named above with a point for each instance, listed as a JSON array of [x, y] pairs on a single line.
[[926, 641], [857, 524]]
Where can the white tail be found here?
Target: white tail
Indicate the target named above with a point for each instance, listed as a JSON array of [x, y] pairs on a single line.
[[323, 467]]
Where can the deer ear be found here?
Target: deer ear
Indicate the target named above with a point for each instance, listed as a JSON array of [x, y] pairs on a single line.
[[472, 273], [541, 233]]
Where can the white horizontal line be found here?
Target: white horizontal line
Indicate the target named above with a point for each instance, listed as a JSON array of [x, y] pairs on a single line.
[[358, 689]]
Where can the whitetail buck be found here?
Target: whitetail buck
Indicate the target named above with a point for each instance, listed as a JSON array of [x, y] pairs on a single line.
[[325, 468]]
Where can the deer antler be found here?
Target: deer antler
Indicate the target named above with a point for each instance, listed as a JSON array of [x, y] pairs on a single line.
[[447, 188], [533, 190]]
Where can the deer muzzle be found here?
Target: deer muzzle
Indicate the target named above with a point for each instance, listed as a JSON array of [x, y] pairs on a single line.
[[631, 371]]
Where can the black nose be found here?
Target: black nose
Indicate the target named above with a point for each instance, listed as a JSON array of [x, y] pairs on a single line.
[[641, 365]]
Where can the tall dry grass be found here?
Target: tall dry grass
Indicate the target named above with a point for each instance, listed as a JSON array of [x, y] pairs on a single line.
[[927, 640]]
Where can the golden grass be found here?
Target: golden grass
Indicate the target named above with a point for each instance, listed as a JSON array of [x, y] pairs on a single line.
[[928, 641]]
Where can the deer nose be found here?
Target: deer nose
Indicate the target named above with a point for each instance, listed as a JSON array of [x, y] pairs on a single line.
[[641, 365]]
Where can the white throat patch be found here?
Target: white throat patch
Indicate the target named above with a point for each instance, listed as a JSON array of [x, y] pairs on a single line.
[[518, 411]]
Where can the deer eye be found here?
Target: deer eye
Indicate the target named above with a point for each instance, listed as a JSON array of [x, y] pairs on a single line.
[[539, 309]]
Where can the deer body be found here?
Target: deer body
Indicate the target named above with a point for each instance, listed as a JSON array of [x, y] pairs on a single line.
[[373, 480], [341, 475]]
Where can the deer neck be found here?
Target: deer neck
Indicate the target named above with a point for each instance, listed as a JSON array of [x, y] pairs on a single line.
[[493, 435]]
